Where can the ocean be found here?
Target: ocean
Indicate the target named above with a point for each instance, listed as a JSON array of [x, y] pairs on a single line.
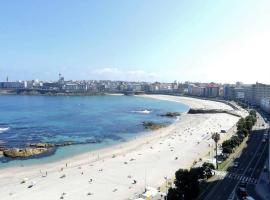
[[92, 122]]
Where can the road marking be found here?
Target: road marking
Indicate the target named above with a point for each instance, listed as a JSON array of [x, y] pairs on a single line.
[[231, 197], [232, 176], [240, 177]]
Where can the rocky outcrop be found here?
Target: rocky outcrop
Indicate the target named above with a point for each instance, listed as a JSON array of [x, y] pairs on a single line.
[[93, 141], [65, 143], [23, 152], [212, 111], [42, 145], [31, 150], [36, 148], [153, 125], [171, 114]]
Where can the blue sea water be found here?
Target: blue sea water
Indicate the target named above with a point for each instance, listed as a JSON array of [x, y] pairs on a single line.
[[98, 121]]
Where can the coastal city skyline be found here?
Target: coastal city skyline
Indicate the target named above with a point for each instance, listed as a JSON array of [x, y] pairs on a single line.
[[136, 41], [138, 100], [55, 78], [255, 94]]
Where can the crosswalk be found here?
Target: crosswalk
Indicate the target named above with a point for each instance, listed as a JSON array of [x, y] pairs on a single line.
[[246, 179]]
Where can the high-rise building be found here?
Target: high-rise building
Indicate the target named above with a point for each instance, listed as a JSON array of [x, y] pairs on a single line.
[[265, 104], [256, 92]]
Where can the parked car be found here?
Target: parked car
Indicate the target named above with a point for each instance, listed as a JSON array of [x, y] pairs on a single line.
[[236, 164]]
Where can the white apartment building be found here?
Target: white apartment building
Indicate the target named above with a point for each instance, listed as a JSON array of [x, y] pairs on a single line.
[[265, 104]]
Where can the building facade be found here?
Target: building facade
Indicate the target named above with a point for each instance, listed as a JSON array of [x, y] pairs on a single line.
[[255, 93], [265, 105], [12, 85]]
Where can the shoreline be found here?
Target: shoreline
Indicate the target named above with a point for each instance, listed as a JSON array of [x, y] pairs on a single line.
[[139, 136], [156, 150], [3, 93]]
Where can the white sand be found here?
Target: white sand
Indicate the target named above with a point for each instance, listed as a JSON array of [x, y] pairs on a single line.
[[192, 102], [149, 157]]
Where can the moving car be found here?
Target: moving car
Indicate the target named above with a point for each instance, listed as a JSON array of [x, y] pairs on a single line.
[[248, 198], [242, 192], [242, 184], [242, 189]]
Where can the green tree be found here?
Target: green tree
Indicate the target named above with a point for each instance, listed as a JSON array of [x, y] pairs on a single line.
[[240, 124], [227, 150], [187, 185], [248, 124], [207, 168], [253, 113], [173, 194]]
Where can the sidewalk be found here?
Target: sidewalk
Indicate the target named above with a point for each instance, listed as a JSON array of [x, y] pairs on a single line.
[[263, 186]]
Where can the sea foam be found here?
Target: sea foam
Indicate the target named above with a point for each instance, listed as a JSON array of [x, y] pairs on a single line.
[[2, 130], [145, 111]]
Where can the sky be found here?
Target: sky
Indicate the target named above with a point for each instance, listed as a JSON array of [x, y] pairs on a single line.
[[136, 40]]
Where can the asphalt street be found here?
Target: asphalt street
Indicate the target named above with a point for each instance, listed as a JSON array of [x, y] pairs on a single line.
[[251, 163]]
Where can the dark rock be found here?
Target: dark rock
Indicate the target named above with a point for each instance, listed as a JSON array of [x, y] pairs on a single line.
[[23, 152], [171, 114], [93, 141], [153, 125], [42, 145], [65, 143]]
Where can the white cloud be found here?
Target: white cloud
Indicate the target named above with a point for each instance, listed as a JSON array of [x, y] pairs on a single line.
[[107, 71]]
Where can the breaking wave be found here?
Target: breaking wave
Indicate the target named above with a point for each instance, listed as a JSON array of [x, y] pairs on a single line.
[[2, 130]]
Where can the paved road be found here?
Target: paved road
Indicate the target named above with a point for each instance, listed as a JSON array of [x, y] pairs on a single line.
[[251, 163]]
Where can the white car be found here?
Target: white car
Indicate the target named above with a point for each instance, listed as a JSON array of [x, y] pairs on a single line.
[[248, 198]]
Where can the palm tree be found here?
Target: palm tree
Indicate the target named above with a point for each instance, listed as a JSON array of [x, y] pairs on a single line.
[[216, 138]]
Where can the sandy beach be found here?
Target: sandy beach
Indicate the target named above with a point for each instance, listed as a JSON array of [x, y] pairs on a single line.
[[122, 171]]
